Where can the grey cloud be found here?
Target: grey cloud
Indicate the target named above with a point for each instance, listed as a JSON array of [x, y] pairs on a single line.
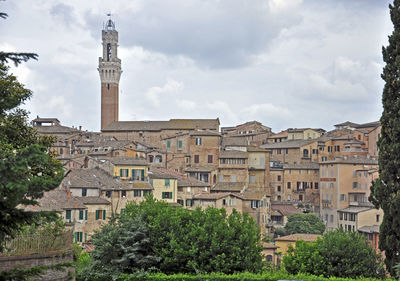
[[64, 13]]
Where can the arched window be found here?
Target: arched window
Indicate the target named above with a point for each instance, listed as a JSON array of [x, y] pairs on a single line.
[[214, 178], [158, 159], [269, 258], [151, 158], [305, 153]]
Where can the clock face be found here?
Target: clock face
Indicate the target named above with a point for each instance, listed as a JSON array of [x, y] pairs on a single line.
[[108, 51]]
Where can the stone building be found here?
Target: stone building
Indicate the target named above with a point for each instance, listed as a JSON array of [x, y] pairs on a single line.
[[293, 151], [344, 181]]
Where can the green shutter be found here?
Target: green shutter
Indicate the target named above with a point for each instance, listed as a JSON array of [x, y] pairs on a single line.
[[142, 175], [86, 215], [170, 195], [104, 214], [76, 236], [180, 144], [97, 214], [81, 214], [163, 195], [80, 236], [166, 182], [168, 144], [68, 214], [120, 172]]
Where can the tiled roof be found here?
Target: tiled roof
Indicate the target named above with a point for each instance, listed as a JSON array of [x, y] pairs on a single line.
[[90, 178], [287, 144], [55, 129], [282, 134], [214, 196], [256, 149], [299, 236], [128, 161], [353, 160], [92, 200], [356, 209], [205, 133], [141, 185], [302, 166], [172, 124], [232, 154], [229, 186], [269, 246], [369, 229], [286, 209], [41, 119], [183, 180], [155, 174], [249, 194], [56, 200]]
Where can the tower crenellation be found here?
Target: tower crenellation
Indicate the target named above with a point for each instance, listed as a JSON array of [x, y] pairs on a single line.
[[110, 74]]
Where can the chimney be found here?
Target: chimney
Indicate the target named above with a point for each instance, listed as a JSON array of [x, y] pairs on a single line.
[[80, 128], [76, 204]]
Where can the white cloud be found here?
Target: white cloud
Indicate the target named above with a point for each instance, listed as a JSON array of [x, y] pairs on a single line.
[[156, 94]]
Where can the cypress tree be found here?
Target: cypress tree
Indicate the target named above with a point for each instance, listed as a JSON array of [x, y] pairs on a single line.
[[385, 191]]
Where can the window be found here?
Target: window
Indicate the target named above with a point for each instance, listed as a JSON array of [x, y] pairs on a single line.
[[342, 197], [233, 178], [180, 144], [198, 141], [166, 195], [166, 182], [316, 185], [329, 148], [86, 213], [189, 202], [137, 174], [137, 193], [300, 171], [78, 236], [324, 158], [331, 172], [100, 214], [278, 188], [331, 218], [223, 202], [122, 211], [68, 215], [108, 194], [123, 193], [355, 184], [287, 151], [146, 192], [315, 151], [279, 178], [254, 204], [289, 185], [168, 144], [123, 172], [252, 179], [210, 159], [196, 159], [278, 151], [151, 158], [377, 218], [80, 214], [84, 192]]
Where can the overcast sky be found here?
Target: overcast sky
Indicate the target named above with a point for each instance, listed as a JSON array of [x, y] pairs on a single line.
[[286, 63]]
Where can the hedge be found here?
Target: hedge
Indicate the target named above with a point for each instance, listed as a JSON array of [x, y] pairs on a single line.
[[267, 276]]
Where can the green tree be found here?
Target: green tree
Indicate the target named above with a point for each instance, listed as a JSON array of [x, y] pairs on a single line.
[[200, 240], [122, 246], [338, 254], [27, 168], [304, 223], [385, 191]]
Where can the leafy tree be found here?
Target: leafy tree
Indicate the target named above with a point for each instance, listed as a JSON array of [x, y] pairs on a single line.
[[200, 240], [27, 168], [338, 254], [120, 247], [385, 190], [304, 223]]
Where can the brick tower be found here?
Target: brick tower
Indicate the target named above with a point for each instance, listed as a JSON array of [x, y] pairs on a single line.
[[110, 73]]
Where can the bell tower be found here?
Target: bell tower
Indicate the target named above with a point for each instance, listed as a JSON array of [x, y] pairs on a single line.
[[110, 73]]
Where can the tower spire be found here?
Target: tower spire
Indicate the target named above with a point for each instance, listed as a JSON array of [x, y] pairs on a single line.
[[110, 73]]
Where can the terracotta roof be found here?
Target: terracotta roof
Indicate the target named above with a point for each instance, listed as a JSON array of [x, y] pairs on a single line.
[[356, 209], [55, 129], [253, 194], [141, 185], [299, 236], [183, 180], [232, 154], [269, 246], [353, 160], [172, 124], [229, 186], [369, 229], [298, 166], [128, 161], [90, 178], [282, 134], [155, 174], [56, 200], [287, 144], [285, 209], [205, 133], [41, 119], [214, 196], [92, 200]]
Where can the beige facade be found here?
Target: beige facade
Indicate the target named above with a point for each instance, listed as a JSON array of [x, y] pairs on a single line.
[[304, 133], [353, 218], [165, 187], [343, 181]]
